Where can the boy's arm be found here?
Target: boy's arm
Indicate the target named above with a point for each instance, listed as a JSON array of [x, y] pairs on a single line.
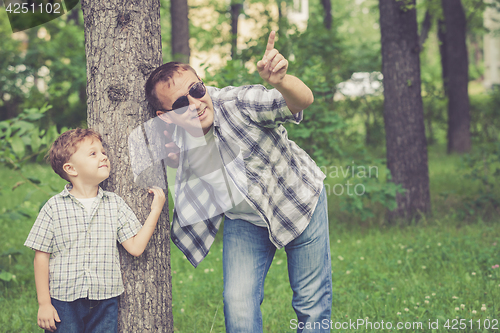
[[47, 314], [272, 68], [136, 245]]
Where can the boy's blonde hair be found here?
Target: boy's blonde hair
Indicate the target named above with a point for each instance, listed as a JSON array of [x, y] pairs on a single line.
[[66, 145]]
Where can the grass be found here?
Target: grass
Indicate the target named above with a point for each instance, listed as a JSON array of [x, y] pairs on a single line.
[[437, 270]]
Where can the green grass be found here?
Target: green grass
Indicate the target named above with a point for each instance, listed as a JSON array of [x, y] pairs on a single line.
[[417, 273]]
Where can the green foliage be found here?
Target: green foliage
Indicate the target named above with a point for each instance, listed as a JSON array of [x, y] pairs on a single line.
[[10, 68], [372, 190], [485, 116], [21, 139], [47, 65], [233, 74], [482, 167], [19, 206]]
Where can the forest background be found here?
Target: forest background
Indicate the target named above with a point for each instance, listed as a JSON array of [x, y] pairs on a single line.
[[440, 265]]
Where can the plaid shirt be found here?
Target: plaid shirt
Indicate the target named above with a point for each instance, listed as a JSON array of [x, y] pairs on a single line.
[[278, 179], [84, 260]]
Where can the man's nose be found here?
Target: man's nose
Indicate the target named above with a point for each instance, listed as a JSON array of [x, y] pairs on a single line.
[[193, 101]]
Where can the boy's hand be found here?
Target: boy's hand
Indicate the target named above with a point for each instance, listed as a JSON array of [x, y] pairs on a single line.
[[47, 316], [273, 66], [159, 198]]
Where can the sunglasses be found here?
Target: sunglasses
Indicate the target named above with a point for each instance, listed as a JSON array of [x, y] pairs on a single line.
[[197, 90]]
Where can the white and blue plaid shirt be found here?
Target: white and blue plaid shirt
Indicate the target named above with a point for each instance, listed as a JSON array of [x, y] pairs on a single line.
[[277, 178]]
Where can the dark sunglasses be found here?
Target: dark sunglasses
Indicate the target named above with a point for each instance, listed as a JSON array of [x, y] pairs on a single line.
[[197, 90]]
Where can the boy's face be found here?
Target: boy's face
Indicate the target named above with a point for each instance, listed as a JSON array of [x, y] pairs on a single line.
[[89, 162], [198, 116]]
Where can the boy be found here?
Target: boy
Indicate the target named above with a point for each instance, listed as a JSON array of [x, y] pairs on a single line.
[[77, 267], [235, 161]]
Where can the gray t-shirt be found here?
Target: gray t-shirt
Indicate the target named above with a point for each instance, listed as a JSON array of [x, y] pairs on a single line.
[[206, 163]]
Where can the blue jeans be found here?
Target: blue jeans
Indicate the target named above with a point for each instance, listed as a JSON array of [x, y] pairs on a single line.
[[247, 256], [87, 316]]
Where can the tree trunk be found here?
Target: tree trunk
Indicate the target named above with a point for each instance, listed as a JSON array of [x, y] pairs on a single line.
[[424, 31], [456, 75], [403, 110], [327, 7], [444, 54], [180, 30], [123, 46], [235, 14]]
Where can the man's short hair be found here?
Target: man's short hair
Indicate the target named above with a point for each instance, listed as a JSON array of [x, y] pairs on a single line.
[[66, 145], [162, 74]]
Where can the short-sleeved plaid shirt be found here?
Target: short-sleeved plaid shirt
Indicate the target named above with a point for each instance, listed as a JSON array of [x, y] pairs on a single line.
[[278, 179], [84, 259]]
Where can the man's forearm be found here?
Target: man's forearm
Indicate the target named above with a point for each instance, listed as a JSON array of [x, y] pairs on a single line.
[[297, 95]]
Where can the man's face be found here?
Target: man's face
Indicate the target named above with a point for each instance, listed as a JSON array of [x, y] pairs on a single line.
[[198, 116]]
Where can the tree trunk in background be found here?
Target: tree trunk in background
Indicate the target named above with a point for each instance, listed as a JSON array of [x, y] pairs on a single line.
[[74, 15], [444, 58], [403, 111], [424, 31], [235, 14], [123, 46], [455, 64], [179, 11], [327, 7]]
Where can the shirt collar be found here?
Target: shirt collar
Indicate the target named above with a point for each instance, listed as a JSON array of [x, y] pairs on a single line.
[[68, 187]]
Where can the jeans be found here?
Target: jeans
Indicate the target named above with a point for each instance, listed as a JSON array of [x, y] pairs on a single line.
[[247, 256], [87, 316]]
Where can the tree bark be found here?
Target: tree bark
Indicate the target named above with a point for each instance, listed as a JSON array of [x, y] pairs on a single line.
[[455, 64], [403, 110], [123, 46], [179, 11]]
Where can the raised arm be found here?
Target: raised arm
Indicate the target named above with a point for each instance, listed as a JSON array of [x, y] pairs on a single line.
[[272, 68], [136, 245]]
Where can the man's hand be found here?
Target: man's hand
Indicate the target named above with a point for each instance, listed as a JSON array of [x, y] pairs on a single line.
[[47, 316], [172, 152], [273, 66]]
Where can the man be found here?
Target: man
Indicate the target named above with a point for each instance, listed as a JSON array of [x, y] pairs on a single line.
[[235, 160]]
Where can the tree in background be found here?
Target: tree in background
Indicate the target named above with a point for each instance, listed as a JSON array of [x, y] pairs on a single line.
[[180, 30], [327, 6], [235, 10], [455, 65], [123, 46], [403, 111]]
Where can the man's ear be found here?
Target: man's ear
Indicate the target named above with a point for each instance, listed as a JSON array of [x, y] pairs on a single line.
[[69, 169], [164, 116]]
